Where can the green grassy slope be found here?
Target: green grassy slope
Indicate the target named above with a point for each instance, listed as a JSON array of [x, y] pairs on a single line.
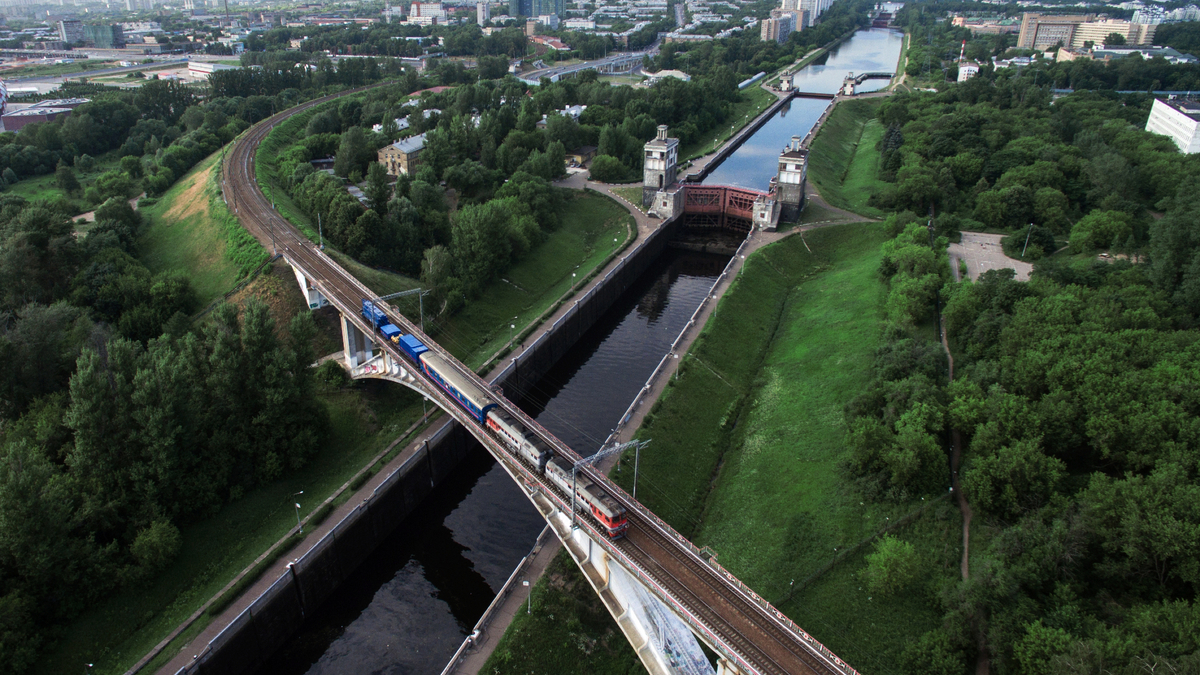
[[745, 450], [190, 230], [843, 160]]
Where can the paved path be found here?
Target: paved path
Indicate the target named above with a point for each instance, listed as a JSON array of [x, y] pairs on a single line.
[[982, 252]]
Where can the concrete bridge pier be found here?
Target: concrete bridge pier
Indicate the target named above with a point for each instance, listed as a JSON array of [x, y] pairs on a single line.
[[359, 347], [663, 642], [311, 294]]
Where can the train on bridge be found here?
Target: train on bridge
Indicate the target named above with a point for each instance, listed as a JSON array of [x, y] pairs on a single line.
[[522, 443]]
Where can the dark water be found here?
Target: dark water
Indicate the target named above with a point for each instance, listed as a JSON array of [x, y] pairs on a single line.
[[754, 164], [409, 605]]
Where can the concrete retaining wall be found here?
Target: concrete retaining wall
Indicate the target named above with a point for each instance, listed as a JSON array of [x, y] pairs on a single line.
[[275, 615], [740, 137]]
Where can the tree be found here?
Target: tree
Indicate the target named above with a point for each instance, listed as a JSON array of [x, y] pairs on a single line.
[[1099, 230], [608, 169], [156, 546], [1015, 480], [378, 191], [892, 567], [1114, 40], [353, 153], [132, 166], [65, 178], [480, 243]]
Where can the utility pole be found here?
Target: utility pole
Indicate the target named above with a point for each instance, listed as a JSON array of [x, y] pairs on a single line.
[[599, 454]]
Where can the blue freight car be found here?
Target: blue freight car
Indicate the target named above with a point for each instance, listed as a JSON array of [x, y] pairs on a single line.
[[380, 322], [412, 347]]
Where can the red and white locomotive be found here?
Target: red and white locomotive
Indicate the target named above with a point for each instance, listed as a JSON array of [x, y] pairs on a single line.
[[520, 441]]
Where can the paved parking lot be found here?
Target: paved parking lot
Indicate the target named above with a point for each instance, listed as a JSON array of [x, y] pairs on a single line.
[[982, 253]]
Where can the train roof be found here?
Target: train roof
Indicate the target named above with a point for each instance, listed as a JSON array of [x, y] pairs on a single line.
[[478, 397]]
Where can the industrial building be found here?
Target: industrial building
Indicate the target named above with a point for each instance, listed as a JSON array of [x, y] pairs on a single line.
[[15, 120], [1043, 31], [1176, 119]]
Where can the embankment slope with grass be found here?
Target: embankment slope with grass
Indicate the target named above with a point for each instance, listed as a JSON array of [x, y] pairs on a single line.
[[745, 453], [747, 442], [844, 159], [190, 230]]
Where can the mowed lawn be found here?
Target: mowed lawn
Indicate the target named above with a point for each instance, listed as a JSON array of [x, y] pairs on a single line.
[[844, 159]]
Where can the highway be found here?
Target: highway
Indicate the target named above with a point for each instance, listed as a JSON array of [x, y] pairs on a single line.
[[715, 604]]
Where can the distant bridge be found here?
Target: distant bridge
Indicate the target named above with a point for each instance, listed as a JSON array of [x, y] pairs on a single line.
[[873, 76]]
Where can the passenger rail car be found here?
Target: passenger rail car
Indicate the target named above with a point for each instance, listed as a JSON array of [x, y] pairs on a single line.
[[522, 443]]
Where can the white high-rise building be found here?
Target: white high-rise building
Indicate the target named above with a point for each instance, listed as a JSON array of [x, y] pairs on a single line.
[[1178, 120], [483, 12]]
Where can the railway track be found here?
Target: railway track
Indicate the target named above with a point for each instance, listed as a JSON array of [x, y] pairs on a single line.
[[763, 638]]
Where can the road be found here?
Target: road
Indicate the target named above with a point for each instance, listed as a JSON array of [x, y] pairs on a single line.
[[559, 71], [716, 603]]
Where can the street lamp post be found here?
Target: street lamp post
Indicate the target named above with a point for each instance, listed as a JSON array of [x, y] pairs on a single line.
[[528, 607], [298, 525]]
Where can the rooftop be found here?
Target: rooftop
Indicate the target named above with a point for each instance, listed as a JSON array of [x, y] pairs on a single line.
[[411, 144], [61, 103], [31, 111], [1187, 107]]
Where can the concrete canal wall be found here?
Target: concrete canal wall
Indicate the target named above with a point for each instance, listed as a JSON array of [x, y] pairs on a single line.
[[274, 616]]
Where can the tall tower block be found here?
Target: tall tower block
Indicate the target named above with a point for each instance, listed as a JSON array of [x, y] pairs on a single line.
[[660, 165], [793, 172]]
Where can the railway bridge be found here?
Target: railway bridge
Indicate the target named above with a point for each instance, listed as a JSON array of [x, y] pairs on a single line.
[[666, 594]]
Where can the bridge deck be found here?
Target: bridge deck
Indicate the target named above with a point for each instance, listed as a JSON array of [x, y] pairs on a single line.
[[719, 607]]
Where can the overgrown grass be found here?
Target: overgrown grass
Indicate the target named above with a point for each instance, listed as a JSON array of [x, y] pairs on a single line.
[[754, 100], [190, 230], [844, 159], [567, 631], [631, 194], [45, 186], [593, 227]]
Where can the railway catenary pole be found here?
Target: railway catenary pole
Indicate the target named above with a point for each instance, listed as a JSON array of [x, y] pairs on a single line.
[[598, 455]]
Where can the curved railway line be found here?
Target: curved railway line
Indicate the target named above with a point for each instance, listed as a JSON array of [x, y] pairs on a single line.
[[763, 639]]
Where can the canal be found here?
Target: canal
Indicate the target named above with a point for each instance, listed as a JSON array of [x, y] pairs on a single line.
[[410, 604], [754, 163]]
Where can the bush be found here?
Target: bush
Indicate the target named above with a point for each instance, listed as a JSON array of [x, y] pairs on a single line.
[[893, 566], [156, 546], [332, 375], [607, 169]]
